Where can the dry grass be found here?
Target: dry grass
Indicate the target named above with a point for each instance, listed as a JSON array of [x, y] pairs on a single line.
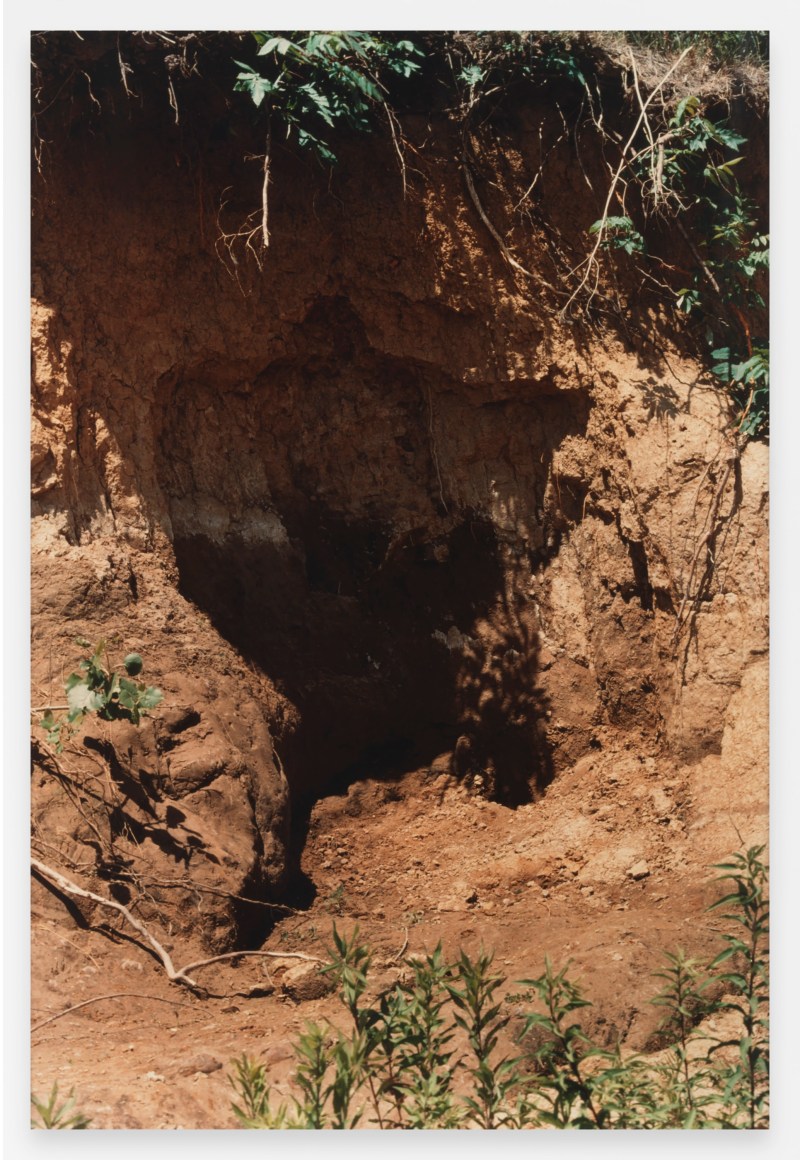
[[701, 74]]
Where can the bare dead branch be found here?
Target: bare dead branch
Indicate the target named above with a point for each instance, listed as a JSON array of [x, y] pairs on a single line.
[[174, 976], [101, 998], [72, 888], [265, 192], [591, 262]]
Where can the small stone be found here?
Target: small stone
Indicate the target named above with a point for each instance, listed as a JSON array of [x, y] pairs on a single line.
[[638, 870], [153, 1077], [200, 1063], [278, 1053], [305, 981]]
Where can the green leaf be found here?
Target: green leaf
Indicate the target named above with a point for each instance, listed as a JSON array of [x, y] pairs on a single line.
[[277, 44], [688, 105], [471, 74], [82, 699]]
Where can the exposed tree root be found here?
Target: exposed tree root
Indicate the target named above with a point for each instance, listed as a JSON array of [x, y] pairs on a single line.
[[174, 975]]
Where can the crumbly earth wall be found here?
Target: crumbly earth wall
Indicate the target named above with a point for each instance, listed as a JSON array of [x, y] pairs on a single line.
[[375, 494]]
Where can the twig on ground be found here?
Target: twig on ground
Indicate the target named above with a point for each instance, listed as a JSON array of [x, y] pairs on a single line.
[[174, 976], [396, 958], [100, 998]]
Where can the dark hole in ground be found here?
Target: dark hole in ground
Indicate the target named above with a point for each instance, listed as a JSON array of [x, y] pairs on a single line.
[[368, 644]]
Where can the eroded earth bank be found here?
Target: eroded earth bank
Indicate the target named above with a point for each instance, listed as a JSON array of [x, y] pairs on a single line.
[[459, 607]]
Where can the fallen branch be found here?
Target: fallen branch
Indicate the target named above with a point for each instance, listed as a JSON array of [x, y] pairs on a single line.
[[174, 976], [72, 888], [100, 998]]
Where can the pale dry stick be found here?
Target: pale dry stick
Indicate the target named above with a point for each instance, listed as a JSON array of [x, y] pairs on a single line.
[[648, 131], [92, 97], [100, 998], [591, 261], [123, 68], [72, 888], [229, 240], [265, 192], [393, 129], [396, 958], [173, 100], [174, 976]]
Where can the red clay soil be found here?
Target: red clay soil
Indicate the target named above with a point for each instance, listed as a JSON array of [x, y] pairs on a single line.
[[459, 608]]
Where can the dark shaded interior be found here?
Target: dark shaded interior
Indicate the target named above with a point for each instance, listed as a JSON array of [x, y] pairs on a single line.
[[354, 638]]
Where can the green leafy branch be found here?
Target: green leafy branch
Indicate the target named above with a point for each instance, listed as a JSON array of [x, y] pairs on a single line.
[[96, 688], [688, 172], [314, 84]]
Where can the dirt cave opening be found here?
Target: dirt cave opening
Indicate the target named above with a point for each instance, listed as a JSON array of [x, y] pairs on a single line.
[[378, 644]]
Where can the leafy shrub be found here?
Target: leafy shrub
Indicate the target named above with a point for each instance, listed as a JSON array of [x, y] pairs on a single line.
[[398, 1064], [688, 172], [96, 688], [315, 82]]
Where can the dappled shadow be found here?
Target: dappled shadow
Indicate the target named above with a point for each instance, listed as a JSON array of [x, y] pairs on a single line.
[[502, 749]]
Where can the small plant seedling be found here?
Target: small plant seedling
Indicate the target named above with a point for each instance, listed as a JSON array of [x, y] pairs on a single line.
[[96, 688], [51, 1114]]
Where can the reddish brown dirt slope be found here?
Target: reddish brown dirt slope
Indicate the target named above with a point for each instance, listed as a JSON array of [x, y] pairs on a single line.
[[459, 609]]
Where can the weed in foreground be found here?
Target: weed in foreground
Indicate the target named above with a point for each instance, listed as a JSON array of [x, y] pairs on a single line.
[[52, 1114], [428, 1052]]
